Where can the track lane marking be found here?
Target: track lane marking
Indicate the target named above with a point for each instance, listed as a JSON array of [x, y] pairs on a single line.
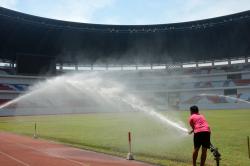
[[64, 158], [41, 150], [13, 158], [34, 149]]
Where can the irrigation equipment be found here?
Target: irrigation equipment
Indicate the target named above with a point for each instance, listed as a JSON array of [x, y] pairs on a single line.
[[216, 154], [130, 155], [35, 136], [248, 147]]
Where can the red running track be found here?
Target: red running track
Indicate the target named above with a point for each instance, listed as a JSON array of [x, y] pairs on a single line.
[[17, 150]]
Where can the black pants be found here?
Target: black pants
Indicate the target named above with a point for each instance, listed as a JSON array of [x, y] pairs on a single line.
[[202, 139]]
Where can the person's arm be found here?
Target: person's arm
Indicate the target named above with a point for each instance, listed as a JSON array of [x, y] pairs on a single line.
[[192, 125], [190, 132]]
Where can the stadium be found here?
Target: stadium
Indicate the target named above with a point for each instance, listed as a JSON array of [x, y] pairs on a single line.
[[65, 78]]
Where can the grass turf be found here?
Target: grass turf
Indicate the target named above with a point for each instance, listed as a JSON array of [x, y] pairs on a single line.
[[152, 141]]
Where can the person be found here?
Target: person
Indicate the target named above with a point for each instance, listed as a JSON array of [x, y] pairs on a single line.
[[201, 131]]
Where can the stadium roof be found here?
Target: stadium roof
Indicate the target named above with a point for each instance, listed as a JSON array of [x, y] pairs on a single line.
[[69, 42]]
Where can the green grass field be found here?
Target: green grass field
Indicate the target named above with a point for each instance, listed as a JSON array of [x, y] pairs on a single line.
[[152, 141]]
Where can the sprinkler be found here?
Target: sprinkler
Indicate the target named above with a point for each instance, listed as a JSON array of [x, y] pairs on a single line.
[[130, 155], [216, 154], [248, 146], [35, 132]]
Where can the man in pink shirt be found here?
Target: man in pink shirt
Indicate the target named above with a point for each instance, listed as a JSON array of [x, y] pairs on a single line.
[[201, 131]]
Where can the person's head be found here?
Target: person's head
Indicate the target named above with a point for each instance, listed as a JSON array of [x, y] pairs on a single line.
[[194, 109]]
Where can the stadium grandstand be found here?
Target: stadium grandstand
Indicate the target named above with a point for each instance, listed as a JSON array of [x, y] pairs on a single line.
[[174, 65]]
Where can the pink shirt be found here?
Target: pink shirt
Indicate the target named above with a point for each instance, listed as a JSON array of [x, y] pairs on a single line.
[[198, 123]]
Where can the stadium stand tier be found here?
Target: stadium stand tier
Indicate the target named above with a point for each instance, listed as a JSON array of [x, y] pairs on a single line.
[[160, 89]]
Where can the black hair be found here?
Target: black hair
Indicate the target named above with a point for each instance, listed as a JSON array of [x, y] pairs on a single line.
[[194, 109]]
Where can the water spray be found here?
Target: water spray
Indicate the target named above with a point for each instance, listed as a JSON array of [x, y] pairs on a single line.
[[106, 91], [117, 93], [216, 154], [130, 155], [228, 97]]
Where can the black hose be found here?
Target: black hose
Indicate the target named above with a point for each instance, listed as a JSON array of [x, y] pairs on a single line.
[[216, 154]]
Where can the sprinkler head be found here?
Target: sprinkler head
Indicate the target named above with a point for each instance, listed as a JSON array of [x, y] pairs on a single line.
[[130, 156], [35, 136]]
